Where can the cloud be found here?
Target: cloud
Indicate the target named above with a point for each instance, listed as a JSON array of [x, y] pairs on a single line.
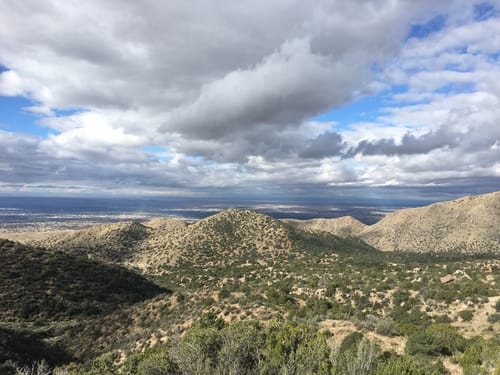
[[409, 145], [324, 145], [10, 84], [288, 86], [229, 91]]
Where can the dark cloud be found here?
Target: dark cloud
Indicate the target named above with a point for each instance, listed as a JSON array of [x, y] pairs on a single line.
[[409, 145], [324, 145]]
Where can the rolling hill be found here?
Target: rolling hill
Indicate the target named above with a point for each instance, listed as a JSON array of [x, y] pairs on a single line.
[[230, 236], [467, 225], [344, 226], [42, 285]]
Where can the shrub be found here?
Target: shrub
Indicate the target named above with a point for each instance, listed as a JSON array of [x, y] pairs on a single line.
[[466, 315], [365, 359], [224, 293], [386, 327], [398, 366], [436, 339], [211, 320], [494, 318], [408, 329], [481, 356], [153, 361], [197, 351], [157, 364], [240, 348], [471, 360], [291, 348], [36, 368], [356, 355], [103, 365]]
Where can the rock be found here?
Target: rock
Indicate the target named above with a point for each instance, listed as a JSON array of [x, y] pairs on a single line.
[[447, 279]]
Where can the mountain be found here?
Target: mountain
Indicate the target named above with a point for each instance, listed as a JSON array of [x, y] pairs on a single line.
[[344, 226], [469, 225], [230, 236], [114, 242]]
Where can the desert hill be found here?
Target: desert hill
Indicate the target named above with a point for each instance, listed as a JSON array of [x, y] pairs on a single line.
[[342, 226], [41, 289], [37, 284], [239, 265], [227, 237], [116, 242], [469, 224]]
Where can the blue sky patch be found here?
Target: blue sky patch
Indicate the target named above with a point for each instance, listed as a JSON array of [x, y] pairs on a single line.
[[157, 152], [13, 118], [422, 30], [364, 109], [484, 11]]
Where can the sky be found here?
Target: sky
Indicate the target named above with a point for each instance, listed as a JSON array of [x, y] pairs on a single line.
[[274, 98]]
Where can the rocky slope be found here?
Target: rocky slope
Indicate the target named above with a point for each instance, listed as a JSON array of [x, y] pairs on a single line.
[[116, 242], [220, 240], [469, 225], [344, 226]]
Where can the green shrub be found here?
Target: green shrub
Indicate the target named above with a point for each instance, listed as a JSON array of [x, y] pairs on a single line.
[[471, 359], [494, 318], [157, 364], [291, 348], [386, 327], [481, 356], [210, 320], [240, 348], [466, 315], [197, 351], [224, 293], [103, 365], [398, 366], [437, 339], [153, 361], [408, 329]]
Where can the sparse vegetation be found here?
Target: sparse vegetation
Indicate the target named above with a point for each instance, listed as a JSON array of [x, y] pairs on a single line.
[[243, 293]]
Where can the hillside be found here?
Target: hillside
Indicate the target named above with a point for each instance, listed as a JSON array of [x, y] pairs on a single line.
[[225, 238], [344, 226], [41, 285], [467, 225], [242, 283], [115, 242], [220, 239]]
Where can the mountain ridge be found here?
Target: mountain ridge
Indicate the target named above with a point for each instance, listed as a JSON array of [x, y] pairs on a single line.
[[467, 224], [230, 236]]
